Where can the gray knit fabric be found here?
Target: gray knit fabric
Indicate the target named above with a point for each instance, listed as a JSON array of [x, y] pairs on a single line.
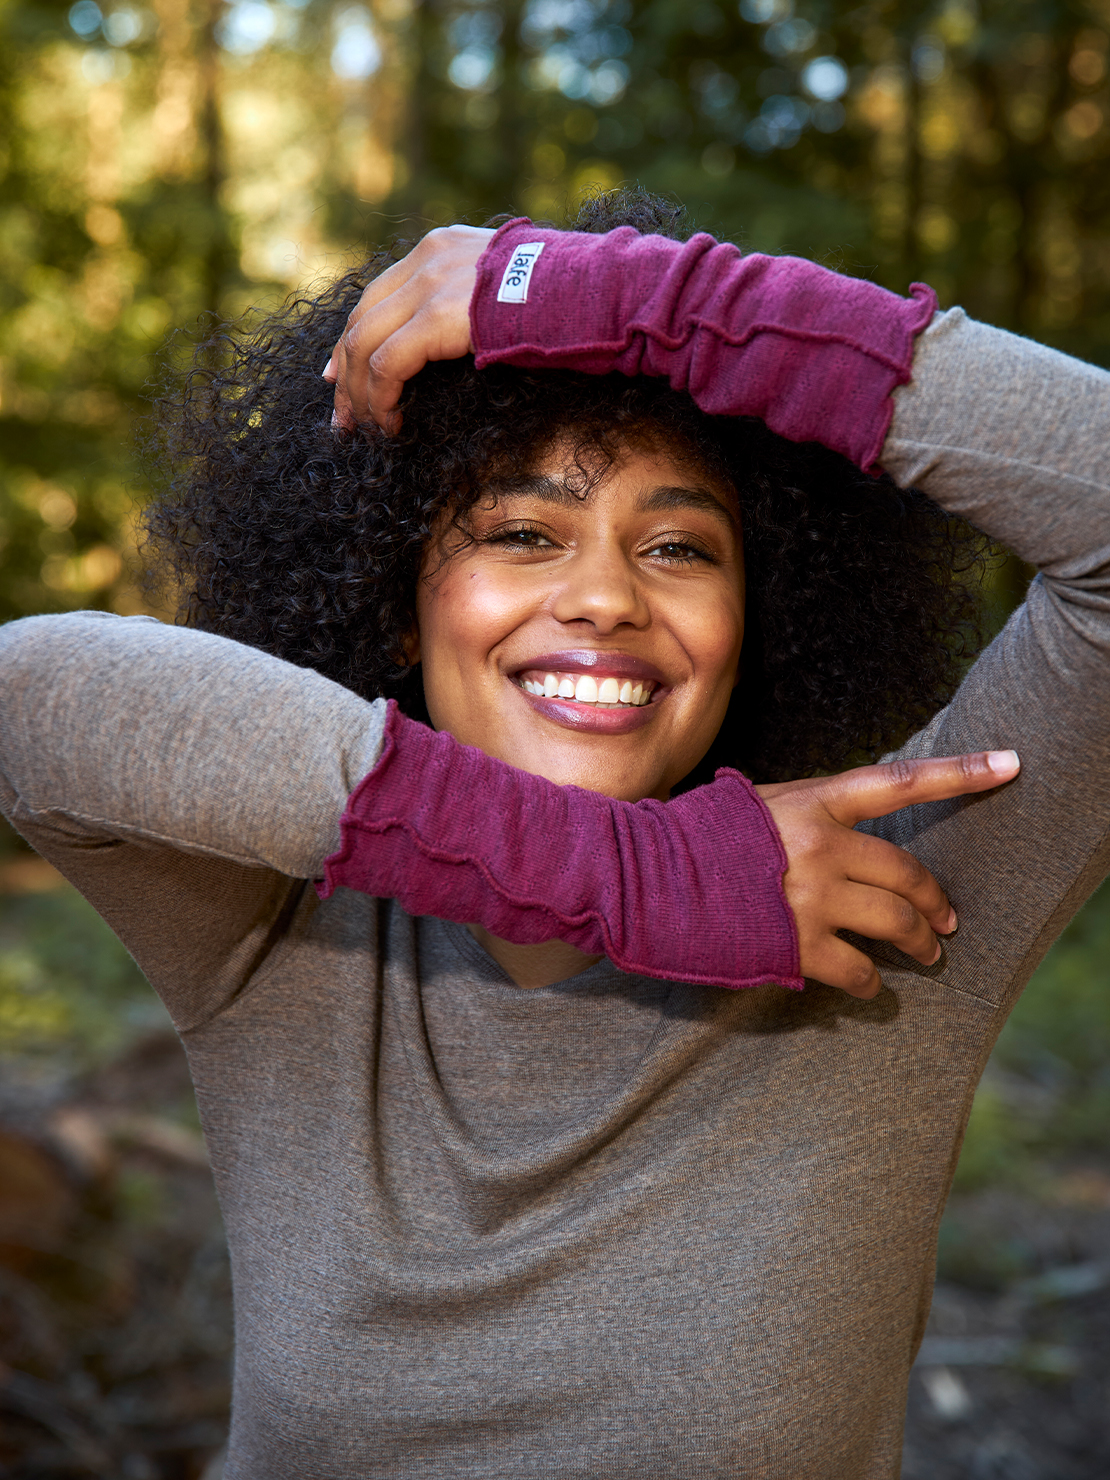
[[614, 1228]]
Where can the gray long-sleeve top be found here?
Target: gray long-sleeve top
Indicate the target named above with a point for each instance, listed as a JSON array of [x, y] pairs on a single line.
[[615, 1227]]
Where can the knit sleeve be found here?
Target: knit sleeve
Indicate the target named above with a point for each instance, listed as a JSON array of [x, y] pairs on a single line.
[[813, 353]]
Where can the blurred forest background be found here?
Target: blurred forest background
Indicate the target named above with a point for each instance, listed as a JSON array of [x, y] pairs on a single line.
[[163, 161]]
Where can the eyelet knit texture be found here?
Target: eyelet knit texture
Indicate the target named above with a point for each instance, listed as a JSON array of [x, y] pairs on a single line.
[[689, 890], [811, 352]]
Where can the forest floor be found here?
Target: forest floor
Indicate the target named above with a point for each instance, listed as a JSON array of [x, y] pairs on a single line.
[[115, 1322], [115, 1316], [1013, 1378]]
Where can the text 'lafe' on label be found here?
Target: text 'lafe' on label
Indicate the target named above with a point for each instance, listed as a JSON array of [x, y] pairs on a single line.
[[518, 273]]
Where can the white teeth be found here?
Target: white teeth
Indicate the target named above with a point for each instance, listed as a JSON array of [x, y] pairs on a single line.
[[588, 690]]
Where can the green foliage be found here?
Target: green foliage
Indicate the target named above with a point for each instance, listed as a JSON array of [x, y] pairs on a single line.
[[1046, 1095], [69, 992], [1059, 1034], [998, 1143], [979, 1256], [205, 154]]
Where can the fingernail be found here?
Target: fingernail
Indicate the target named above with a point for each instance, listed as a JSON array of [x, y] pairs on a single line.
[[326, 372], [335, 421], [1004, 762], [951, 925], [936, 955]]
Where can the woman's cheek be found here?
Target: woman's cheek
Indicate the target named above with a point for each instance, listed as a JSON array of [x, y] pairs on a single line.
[[463, 614], [717, 634], [495, 602]]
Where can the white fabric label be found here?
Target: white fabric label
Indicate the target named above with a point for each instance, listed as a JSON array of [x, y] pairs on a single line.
[[518, 274]]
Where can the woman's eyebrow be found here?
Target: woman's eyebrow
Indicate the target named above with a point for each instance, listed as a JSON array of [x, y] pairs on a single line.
[[537, 486], [669, 496]]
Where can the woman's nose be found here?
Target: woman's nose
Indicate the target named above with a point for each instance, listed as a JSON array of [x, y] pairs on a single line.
[[602, 588]]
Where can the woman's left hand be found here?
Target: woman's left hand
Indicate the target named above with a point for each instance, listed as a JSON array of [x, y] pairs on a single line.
[[839, 879], [417, 310]]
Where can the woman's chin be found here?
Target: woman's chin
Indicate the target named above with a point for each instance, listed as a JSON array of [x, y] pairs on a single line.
[[616, 762]]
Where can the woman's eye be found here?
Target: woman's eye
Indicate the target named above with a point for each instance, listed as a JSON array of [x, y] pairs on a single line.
[[521, 539], [676, 552]]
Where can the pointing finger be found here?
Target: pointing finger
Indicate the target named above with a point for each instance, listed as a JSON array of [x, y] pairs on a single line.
[[875, 791]]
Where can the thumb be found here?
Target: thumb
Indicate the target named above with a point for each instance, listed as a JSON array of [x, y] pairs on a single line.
[[873, 791]]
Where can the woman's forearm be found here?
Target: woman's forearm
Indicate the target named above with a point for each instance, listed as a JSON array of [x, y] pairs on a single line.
[[690, 890], [125, 729], [813, 353]]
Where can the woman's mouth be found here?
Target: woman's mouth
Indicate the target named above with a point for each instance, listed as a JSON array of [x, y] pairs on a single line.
[[607, 692]]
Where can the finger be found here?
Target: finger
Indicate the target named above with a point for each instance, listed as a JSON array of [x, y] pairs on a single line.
[[882, 865], [388, 282], [443, 244], [364, 339], [432, 286], [840, 965], [422, 338], [382, 287], [343, 414], [337, 370], [395, 340], [878, 914], [874, 791]]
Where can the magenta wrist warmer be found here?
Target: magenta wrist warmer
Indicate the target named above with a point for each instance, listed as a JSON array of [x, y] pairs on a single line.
[[690, 889], [811, 352]]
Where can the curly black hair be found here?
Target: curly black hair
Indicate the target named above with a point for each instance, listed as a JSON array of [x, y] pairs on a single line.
[[283, 534]]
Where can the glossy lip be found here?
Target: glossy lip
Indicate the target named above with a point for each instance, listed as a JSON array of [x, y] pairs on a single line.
[[575, 716], [594, 660], [589, 717]]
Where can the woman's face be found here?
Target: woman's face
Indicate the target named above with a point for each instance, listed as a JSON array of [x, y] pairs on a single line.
[[592, 640]]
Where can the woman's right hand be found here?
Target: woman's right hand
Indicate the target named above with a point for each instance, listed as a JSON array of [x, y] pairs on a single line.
[[839, 879], [417, 310]]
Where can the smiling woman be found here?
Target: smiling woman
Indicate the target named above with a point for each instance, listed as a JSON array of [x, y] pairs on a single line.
[[548, 562], [597, 536]]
